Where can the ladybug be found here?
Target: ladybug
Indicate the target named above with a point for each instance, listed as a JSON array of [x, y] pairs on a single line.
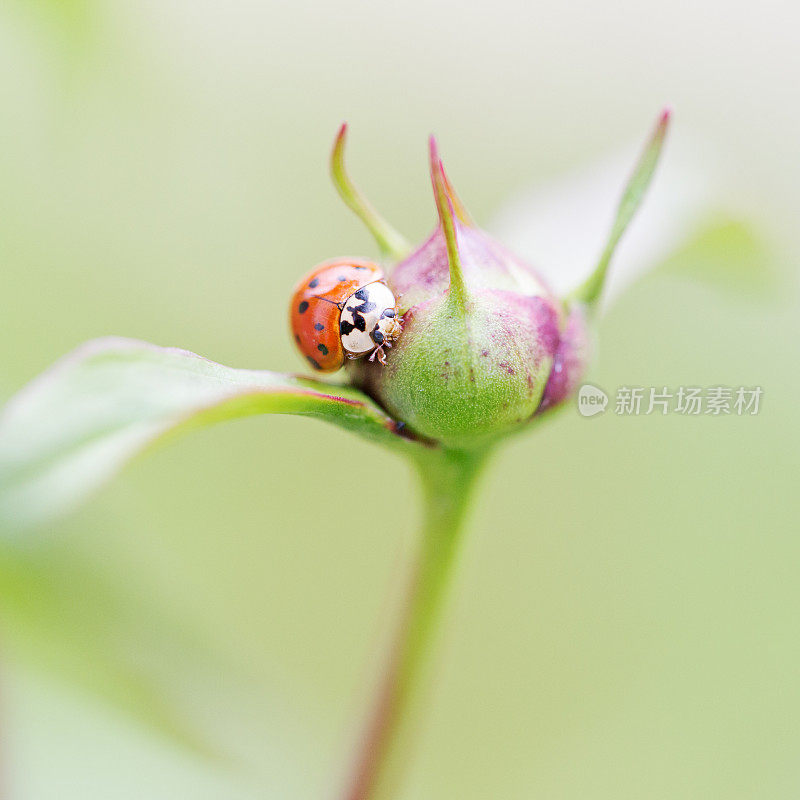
[[343, 309]]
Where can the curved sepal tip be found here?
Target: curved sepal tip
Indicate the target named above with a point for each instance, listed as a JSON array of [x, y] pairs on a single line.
[[632, 196], [392, 243]]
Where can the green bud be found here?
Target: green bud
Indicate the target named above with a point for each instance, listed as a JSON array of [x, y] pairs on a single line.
[[486, 345], [480, 334]]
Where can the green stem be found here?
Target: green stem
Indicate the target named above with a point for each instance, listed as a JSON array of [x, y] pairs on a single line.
[[448, 479]]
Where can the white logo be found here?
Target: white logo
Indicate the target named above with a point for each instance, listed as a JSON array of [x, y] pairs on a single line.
[[591, 400]]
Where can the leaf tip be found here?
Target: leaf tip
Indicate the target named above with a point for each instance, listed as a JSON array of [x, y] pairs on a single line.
[[389, 240], [337, 154], [632, 196], [662, 125], [448, 220]]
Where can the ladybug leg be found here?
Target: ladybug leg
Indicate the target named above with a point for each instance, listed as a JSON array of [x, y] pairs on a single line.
[[379, 354]]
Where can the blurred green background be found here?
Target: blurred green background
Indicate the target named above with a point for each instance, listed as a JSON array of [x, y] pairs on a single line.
[[625, 619]]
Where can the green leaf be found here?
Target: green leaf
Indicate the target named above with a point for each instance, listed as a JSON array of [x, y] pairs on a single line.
[[730, 255], [82, 420], [632, 196], [60, 615]]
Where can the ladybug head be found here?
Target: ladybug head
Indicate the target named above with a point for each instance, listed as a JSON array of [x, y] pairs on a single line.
[[389, 327]]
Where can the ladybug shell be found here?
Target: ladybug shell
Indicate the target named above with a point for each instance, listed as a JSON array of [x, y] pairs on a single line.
[[316, 306]]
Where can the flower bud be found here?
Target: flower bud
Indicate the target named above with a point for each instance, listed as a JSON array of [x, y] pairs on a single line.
[[486, 345], [482, 334]]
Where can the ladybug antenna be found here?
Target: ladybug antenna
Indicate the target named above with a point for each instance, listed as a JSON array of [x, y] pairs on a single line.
[[392, 243], [447, 204]]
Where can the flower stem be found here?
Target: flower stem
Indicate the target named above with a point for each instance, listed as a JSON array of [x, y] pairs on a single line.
[[448, 478]]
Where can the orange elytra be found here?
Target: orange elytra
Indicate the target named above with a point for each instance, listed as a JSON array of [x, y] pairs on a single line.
[[343, 309]]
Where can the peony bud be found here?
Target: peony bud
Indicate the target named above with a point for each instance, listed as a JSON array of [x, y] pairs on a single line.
[[481, 333], [486, 345]]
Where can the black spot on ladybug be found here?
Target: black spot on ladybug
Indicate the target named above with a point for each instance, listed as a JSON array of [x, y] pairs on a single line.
[[388, 312], [297, 338], [322, 349], [318, 326], [313, 284], [358, 324], [314, 363], [377, 336], [364, 307], [303, 307]]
